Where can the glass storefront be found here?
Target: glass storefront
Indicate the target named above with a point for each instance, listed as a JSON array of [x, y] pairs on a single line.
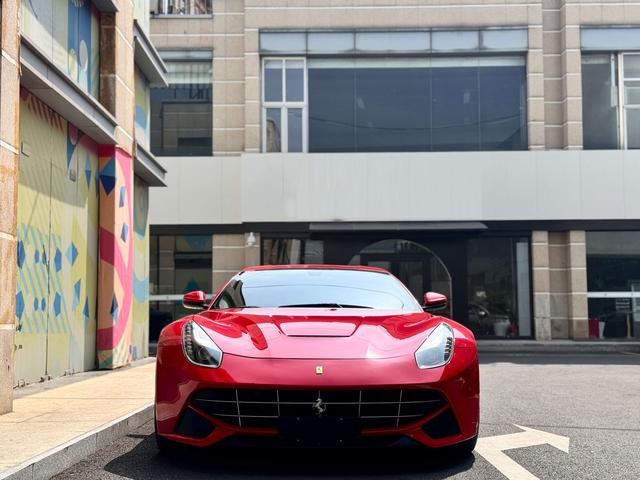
[[486, 278], [613, 284], [178, 264]]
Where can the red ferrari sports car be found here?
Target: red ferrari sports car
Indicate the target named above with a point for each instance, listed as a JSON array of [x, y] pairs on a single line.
[[316, 355]]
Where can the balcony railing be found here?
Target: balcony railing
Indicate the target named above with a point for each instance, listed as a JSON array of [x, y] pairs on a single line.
[[181, 7]]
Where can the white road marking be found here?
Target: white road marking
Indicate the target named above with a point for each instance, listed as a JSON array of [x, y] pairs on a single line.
[[491, 448]]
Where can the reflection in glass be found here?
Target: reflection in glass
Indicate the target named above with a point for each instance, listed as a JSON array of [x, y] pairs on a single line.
[[498, 304], [295, 80], [294, 129], [633, 127], [455, 108], [291, 251], [181, 114], [599, 101], [613, 265], [274, 129], [331, 106], [439, 104], [273, 81], [393, 112]]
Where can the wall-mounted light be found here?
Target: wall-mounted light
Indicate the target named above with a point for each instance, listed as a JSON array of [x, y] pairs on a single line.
[[251, 240]]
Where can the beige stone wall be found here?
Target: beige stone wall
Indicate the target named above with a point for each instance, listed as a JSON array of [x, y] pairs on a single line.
[[117, 82], [553, 61], [560, 285], [9, 147]]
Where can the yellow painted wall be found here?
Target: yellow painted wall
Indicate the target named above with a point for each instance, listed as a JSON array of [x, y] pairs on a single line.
[[57, 245]]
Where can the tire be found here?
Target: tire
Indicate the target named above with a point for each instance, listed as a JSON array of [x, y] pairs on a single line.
[[167, 448], [460, 450]]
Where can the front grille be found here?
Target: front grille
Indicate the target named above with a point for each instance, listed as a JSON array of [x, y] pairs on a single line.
[[270, 408]]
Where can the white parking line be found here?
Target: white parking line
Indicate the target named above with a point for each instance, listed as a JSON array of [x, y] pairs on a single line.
[[492, 449]]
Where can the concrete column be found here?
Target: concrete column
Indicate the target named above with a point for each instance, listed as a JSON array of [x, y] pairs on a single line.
[[230, 85], [577, 285], [568, 285], [231, 253], [9, 147], [115, 269], [541, 296]]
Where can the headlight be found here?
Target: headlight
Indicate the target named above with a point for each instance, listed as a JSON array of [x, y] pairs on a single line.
[[198, 346], [437, 349]]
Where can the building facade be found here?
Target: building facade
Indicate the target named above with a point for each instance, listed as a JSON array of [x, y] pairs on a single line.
[[485, 150], [75, 177]]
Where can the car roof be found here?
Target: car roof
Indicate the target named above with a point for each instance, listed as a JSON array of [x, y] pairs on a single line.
[[362, 268]]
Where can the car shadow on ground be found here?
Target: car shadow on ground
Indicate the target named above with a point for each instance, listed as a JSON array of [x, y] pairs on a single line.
[[145, 462]]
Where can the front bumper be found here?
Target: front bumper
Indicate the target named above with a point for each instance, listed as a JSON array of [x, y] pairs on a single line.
[[180, 419]]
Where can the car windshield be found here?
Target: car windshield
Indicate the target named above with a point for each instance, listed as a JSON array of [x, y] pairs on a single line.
[[316, 288]]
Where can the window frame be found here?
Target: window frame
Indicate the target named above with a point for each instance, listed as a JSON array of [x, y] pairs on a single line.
[[284, 105]]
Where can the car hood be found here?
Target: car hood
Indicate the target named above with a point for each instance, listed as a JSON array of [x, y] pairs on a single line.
[[322, 333]]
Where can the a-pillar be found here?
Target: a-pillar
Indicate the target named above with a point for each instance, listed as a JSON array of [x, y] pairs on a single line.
[[115, 270]]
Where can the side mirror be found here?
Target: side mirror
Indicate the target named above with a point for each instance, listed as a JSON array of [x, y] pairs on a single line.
[[194, 300], [434, 301]]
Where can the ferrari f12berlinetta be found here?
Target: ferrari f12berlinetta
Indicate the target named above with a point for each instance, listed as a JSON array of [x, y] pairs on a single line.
[[316, 355]]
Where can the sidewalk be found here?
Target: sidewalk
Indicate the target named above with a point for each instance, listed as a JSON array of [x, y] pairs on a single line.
[[73, 420], [558, 346]]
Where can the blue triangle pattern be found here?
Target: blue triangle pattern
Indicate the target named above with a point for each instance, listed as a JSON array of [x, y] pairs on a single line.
[[76, 294], [108, 176], [125, 232], [19, 305], [87, 170], [56, 304], [123, 194], [57, 260], [21, 254], [72, 253], [114, 308]]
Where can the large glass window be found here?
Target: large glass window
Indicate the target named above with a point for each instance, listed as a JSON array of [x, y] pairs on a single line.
[[181, 114], [177, 264], [600, 101], [611, 100], [613, 283], [404, 104], [181, 7], [498, 287], [291, 251]]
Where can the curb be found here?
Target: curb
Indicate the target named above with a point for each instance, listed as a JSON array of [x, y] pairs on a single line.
[[556, 347], [59, 458]]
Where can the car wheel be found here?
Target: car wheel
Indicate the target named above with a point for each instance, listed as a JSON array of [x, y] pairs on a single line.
[[168, 448]]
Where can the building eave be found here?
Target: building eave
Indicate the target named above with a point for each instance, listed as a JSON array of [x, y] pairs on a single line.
[[49, 83], [147, 58], [148, 168]]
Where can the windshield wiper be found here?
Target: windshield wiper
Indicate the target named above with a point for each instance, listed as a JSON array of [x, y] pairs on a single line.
[[322, 305]]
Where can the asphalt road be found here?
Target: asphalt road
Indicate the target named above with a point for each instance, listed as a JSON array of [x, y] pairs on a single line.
[[592, 399]]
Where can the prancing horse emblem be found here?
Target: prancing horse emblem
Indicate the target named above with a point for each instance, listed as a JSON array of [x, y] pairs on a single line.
[[319, 407]]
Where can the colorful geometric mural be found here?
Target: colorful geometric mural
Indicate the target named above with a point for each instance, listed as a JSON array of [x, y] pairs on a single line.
[[115, 273], [57, 245], [66, 31], [140, 337], [143, 108]]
